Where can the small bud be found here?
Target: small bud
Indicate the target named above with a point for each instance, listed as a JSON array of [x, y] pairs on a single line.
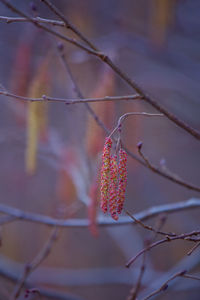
[[139, 145], [165, 287]]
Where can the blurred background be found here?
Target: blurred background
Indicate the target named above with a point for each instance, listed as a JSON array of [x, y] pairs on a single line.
[[54, 169]]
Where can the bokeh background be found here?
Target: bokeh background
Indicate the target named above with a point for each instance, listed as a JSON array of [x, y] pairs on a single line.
[[157, 43]]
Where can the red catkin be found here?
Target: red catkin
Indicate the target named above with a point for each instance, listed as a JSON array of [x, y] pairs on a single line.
[[105, 175], [113, 187], [122, 181]]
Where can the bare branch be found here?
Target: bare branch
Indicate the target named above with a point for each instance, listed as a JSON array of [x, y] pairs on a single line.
[[71, 101], [191, 277], [150, 228], [102, 221], [183, 236], [68, 24], [9, 20], [78, 91], [195, 133]]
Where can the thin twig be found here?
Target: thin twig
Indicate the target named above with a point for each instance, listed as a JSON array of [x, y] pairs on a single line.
[[70, 101], [150, 228], [172, 177], [126, 115], [78, 91], [9, 20], [193, 249], [164, 286], [191, 277], [182, 236], [68, 24], [102, 221]]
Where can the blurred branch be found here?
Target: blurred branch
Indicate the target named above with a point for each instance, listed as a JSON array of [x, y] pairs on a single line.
[[6, 219], [94, 51], [102, 221], [159, 224], [150, 228], [29, 268]]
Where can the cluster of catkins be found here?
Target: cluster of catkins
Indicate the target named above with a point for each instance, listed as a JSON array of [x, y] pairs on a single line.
[[113, 180]]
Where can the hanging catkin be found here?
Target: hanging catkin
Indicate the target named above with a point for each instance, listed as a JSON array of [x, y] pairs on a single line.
[[105, 175]]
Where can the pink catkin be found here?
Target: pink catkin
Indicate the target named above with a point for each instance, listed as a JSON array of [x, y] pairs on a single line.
[[113, 187], [122, 171], [105, 175]]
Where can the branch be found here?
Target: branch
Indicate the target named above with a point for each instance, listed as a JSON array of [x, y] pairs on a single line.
[[71, 101], [94, 51], [182, 236], [102, 221], [78, 91], [150, 228], [172, 177], [164, 286], [9, 20], [47, 29]]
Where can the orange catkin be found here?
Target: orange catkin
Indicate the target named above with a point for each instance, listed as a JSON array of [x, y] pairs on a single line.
[[113, 187], [105, 175], [122, 171]]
